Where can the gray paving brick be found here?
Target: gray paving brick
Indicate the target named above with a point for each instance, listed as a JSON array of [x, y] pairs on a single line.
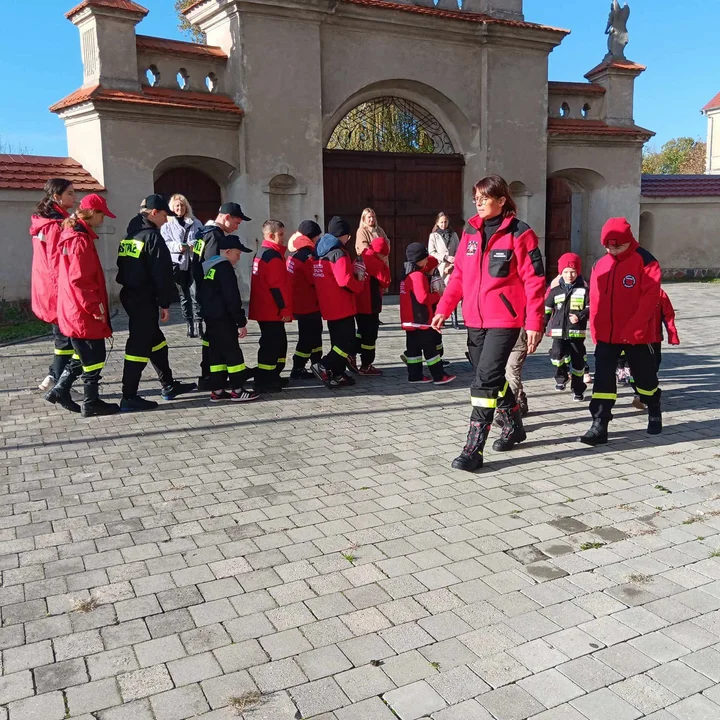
[[705, 661], [603, 704], [625, 659], [219, 689], [205, 638], [408, 668], [363, 649], [457, 684], [551, 688], [41, 707], [26, 657], [193, 669], [414, 701], [591, 674], [499, 669], [680, 679], [138, 710], [365, 682], [240, 656], [61, 675], [161, 650], [124, 634], [16, 686], [659, 647], [277, 675], [179, 704], [371, 709], [77, 645], [111, 663], [510, 703], [644, 693], [93, 696], [697, 707]]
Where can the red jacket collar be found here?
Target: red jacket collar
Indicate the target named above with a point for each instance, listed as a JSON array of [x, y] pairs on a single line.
[[274, 246], [634, 245], [88, 230], [61, 210], [302, 241], [477, 222]]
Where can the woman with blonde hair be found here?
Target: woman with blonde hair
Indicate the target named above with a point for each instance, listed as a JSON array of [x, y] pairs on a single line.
[[179, 235], [368, 231], [442, 245]]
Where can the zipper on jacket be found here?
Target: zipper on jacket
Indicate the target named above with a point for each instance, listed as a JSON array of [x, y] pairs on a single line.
[[508, 305], [611, 286]]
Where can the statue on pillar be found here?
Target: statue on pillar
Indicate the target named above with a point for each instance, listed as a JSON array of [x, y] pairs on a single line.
[[617, 31]]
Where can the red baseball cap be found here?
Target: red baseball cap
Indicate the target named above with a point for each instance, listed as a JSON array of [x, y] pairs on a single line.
[[95, 202]]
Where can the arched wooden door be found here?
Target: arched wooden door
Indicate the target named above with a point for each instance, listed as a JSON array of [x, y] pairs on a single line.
[[558, 233], [202, 192]]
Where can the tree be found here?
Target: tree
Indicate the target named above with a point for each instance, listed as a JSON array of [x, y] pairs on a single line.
[[13, 148], [681, 156], [184, 24]]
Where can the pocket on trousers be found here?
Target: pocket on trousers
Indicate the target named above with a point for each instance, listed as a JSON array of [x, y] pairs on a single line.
[[499, 263], [508, 305]]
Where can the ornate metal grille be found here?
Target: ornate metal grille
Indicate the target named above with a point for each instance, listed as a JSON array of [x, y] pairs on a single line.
[[390, 124]]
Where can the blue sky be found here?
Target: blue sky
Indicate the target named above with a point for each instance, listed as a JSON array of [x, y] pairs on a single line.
[[681, 76]]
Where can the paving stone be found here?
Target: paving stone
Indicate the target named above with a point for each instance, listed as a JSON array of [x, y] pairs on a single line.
[[499, 669], [319, 696], [145, 682], [510, 703], [457, 684], [659, 647], [370, 709], [179, 704], [193, 669], [138, 710], [697, 707], [219, 689], [277, 676], [591, 674], [538, 655], [59, 676], [604, 704], [92, 697], [111, 663], [680, 679], [468, 710], [240, 656], [365, 682], [414, 701], [323, 662], [26, 657], [362, 650], [625, 659], [16, 686], [705, 661], [285, 644], [562, 712], [551, 688], [49, 706], [644, 693]]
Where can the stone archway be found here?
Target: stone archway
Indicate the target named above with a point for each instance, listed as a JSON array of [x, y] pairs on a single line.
[[393, 155]]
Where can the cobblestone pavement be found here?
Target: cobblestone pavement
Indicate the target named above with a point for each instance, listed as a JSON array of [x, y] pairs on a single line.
[[313, 555]]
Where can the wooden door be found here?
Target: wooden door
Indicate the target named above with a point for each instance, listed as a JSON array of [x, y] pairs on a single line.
[[202, 192], [407, 191], [558, 223]]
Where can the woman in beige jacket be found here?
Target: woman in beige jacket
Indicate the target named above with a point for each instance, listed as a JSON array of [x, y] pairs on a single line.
[[442, 245], [368, 231]]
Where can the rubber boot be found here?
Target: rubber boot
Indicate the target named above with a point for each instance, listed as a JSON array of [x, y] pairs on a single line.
[[471, 457], [60, 394], [513, 431], [191, 329], [597, 434], [92, 404], [654, 420], [523, 403]]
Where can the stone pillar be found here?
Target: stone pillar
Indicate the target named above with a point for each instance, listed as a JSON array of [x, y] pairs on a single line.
[[618, 79], [107, 38], [510, 9]]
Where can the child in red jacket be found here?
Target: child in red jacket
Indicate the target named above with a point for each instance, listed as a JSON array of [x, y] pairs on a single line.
[[624, 295], [417, 307], [271, 306], [369, 305], [306, 309], [337, 289]]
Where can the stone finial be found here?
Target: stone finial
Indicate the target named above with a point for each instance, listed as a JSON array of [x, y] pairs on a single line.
[[617, 31]]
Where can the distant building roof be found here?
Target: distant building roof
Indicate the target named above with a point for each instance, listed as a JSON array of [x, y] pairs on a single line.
[[680, 185], [127, 5], [560, 126], [576, 88], [177, 47], [714, 104], [31, 172], [156, 96]]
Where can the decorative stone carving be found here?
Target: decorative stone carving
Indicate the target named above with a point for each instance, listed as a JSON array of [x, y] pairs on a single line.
[[617, 31]]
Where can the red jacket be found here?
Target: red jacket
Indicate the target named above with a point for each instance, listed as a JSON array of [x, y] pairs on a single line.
[[502, 286], [624, 295], [45, 233], [665, 315], [270, 289], [335, 281], [300, 273], [82, 295], [377, 278], [417, 303]]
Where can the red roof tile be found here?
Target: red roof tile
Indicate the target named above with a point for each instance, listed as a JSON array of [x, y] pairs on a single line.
[[152, 96], [126, 5], [31, 172], [576, 88], [714, 104], [559, 126], [627, 65], [176, 47], [680, 185]]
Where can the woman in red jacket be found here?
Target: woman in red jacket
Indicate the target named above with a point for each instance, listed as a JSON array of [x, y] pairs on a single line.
[[499, 275], [45, 232], [82, 307]]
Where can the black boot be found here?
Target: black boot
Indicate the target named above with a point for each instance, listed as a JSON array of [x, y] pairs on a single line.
[[60, 394], [597, 434], [199, 328], [93, 405], [523, 403], [513, 431], [471, 457], [191, 329], [654, 420]]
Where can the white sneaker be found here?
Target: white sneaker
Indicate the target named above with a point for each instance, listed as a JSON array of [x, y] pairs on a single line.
[[47, 384]]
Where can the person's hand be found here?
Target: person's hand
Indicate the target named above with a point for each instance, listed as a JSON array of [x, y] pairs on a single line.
[[533, 340], [242, 332], [183, 248], [451, 258], [164, 314], [438, 321], [574, 319], [286, 318]]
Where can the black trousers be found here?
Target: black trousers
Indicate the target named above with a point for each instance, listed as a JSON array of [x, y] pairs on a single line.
[[419, 343], [568, 357], [92, 356], [366, 336], [490, 350], [145, 343], [271, 351], [643, 368], [63, 353], [226, 357], [309, 344], [342, 344], [187, 292]]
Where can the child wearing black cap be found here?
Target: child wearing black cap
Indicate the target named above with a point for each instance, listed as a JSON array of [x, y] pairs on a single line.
[[337, 288], [306, 309], [220, 301], [417, 307]]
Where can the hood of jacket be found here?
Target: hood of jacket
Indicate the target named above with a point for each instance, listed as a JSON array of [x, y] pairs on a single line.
[[40, 225], [212, 262], [298, 241], [138, 223], [327, 243]]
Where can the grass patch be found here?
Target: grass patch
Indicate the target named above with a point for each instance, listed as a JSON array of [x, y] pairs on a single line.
[[639, 579], [17, 322], [715, 553], [246, 701], [592, 545], [349, 557], [662, 488], [85, 606]]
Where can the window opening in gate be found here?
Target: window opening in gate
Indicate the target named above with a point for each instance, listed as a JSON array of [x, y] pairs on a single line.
[[390, 124]]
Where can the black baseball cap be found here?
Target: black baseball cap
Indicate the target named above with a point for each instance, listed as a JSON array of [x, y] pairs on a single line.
[[232, 242], [232, 208], [157, 202]]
